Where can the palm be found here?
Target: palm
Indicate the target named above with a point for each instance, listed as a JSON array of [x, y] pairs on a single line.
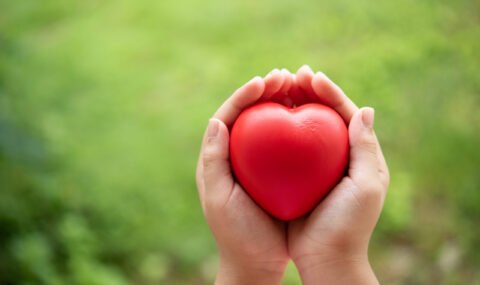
[[261, 237], [334, 223]]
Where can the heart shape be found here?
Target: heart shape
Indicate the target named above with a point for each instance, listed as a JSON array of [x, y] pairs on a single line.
[[288, 159]]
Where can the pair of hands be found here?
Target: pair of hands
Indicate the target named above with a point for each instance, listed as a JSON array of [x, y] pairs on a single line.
[[330, 245]]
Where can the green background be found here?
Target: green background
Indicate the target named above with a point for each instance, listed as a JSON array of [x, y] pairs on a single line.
[[103, 104]]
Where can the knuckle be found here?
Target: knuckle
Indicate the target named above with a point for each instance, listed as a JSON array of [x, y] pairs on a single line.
[[214, 207], [368, 144], [211, 206], [210, 154], [211, 211], [373, 186], [371, 190]]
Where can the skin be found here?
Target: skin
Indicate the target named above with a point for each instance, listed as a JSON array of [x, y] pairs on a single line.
[[330, 245]]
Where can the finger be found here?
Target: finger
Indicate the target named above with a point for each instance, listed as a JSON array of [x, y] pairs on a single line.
[[287, 82], [281, 94], [273, 83], [333, 96], [364, 166], [295, 93], [304, 81], [242, 98], [218, 181]]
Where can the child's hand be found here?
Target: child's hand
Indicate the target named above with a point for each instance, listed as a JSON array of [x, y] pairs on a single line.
[[331, 243], [252, 245]]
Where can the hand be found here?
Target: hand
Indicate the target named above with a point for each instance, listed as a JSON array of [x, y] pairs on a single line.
[[252, 245], [331, 244]]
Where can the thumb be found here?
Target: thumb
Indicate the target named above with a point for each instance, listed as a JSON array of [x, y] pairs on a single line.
[[216, 167], [363, 147]]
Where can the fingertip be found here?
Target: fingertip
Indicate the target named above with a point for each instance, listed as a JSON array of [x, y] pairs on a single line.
[[257, 80], [360, 127], [223, 134], [217, 137], [304, 78], [321, 82], [270, 76], [368, 117], [323, 88], [215, 161], [287, 81], [212, 128], [364, 160], [272, 73], [256, 85], [217, 121], [318, 82], [285, 70], [273, 83], [305, 69], [293, 79], [217, 131], [319, 77], [281, 94]]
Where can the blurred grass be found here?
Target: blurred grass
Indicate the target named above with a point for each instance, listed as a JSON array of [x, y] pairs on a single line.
[[103, 103]]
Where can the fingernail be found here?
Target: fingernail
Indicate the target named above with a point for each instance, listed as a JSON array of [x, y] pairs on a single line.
[[254, 79], [269, 75], [212, 129], [368, 117]]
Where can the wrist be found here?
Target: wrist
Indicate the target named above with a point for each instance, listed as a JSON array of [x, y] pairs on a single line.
[[354, 269], [232, 272]]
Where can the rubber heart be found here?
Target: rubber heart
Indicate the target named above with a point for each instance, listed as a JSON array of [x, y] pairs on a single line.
[[288, 159]]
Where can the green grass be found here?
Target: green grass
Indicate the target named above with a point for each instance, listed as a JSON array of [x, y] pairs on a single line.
[[102, 106]]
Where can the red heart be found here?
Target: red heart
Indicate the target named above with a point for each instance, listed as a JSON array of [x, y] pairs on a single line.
[[288, 159]]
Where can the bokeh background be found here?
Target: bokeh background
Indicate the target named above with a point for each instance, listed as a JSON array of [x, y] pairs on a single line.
[[103, 104]]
